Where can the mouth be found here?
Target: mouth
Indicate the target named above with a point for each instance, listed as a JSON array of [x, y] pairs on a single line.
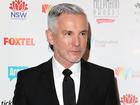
[[76, 52]]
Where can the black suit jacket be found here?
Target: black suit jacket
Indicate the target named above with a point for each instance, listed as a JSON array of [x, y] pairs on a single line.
[[35, 86]]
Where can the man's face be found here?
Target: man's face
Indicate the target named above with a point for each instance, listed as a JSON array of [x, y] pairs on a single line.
[[69, 39]]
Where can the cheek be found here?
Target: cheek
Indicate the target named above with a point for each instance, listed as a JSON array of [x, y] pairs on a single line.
[[62, 43], [83, 43], [65, 41]]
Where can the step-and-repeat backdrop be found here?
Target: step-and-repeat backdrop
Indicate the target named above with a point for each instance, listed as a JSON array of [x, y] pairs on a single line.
[[115, 41]]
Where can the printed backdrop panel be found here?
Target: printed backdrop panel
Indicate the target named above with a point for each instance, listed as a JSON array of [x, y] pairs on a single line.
[[115, 41]]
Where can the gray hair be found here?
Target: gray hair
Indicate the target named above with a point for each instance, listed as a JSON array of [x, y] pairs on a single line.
[[61, 9]]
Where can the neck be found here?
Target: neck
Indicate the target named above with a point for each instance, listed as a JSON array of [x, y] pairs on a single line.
[[64, 63]]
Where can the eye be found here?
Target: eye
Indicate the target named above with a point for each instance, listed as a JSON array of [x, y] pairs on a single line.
[[68, 33], [83, 33]]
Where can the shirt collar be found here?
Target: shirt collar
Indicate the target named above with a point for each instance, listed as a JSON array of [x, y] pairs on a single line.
[[58, 69]]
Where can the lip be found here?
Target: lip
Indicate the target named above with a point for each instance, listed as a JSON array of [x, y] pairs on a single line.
[[76, 52]]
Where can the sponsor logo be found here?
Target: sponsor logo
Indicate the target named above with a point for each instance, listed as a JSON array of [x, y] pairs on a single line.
[[136, 74], [18, 41], [104, 43], [46, 8], [12, 71], [18, 8], [123, 72], [137, 5], [137, 11], [126, 73], [106, 11], [5, 102], [129, 99]]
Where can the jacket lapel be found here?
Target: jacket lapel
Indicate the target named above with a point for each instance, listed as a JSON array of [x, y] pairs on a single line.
[[48, 83], [83, 84]]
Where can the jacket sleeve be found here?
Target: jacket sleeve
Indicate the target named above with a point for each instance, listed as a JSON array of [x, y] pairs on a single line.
[[112, 95], [19, 96]]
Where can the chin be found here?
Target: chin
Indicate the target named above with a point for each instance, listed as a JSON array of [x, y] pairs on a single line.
[[75, 60]]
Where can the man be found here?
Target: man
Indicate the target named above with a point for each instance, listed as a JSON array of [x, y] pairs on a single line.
[[44, 85]]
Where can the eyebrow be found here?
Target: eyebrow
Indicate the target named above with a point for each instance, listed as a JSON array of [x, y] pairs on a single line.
[[85, 30]]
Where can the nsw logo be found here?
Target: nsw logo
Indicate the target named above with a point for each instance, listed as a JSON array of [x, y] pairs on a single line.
[[12, 71], [129, 99], [18, 8]]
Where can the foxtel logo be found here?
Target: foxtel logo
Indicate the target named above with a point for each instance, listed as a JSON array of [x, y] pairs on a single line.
[[46, 8], [19, 41]]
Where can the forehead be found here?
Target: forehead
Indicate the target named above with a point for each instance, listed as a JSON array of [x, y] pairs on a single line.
[[67, 16], [72, 20]]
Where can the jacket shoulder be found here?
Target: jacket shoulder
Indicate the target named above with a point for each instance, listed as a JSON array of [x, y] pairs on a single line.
[[36, 70], [94, 68]]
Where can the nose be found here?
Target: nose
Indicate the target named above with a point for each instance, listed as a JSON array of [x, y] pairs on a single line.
[[76, 41]]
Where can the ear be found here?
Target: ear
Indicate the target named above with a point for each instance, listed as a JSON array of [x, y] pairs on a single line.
[[49, 35]]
